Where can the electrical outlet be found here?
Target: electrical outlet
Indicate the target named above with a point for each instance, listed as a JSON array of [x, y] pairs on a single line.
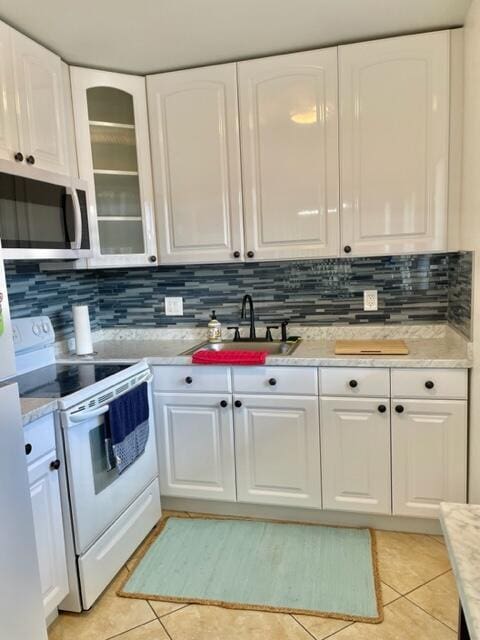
[[370, 300], [174, 306]]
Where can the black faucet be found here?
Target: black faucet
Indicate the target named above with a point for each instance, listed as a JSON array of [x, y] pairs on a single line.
[[248, 298]]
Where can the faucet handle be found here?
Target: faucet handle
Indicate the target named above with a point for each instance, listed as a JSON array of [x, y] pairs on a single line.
[[236, 336], [284, 330], [268, 333]]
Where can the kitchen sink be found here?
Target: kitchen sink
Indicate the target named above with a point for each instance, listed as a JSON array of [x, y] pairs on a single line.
[[274, 347]]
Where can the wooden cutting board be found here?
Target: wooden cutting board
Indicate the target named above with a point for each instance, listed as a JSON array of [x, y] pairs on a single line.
[[371, 347]]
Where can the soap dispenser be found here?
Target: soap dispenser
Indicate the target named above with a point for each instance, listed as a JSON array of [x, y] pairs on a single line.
[[214, 333]]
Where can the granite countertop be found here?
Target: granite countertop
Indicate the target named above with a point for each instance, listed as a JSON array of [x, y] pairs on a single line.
[[461, 526], [35, 408], [450, 352]]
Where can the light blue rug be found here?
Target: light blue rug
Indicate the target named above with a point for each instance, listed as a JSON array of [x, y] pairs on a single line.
[[270, 566]]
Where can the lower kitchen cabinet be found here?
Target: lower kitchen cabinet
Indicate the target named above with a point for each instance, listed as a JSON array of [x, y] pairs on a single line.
[[277, 446], [356, 454], [47, 511], [195, 445], [429, 455]]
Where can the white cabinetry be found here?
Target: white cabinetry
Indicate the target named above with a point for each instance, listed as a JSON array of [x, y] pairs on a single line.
[[394, 144], [429, 455], [288, 124], [110, 112], [277, 450], [356, 454], [196, 155], [47, 511], [195, 445], [256, 435], [32, 111], [277, 437]]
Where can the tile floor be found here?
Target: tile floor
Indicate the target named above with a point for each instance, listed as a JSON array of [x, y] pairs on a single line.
[[418, 590]]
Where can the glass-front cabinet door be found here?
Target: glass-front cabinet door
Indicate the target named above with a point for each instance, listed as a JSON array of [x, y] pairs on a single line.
[[114, 157]]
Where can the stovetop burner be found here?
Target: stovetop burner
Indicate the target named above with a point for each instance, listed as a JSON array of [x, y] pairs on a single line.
[[60, 380]]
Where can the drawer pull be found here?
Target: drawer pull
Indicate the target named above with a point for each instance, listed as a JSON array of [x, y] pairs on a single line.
[[224, 403], [237, 403], [353, 384], [399, 408], [28, 449], [189, 380], [55, 465], [429, 384], [382, 408], [272, 382]]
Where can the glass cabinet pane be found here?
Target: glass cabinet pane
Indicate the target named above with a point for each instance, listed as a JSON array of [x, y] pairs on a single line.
[[117, 195], [113, 148], [121, 237], [115, 168], [106, 104]]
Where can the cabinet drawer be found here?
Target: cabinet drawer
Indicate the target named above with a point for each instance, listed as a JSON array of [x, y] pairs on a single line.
[[286, 380], [194, 378], [429, 383], [39, 437], [354, 381]]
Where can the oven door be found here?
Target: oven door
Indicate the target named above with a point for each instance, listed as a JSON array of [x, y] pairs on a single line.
[[42, 219], [98, 495]]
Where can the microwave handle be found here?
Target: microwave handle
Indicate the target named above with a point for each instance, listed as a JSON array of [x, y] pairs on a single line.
[[77, 243]]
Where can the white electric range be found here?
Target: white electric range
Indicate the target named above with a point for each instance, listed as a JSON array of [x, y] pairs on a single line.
[[106, 514]]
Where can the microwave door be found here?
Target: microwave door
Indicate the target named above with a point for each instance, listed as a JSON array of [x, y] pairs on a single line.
[[46, 215], [43, 220]]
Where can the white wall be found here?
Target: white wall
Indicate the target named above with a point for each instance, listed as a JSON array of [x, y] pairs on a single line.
[[470, 220]]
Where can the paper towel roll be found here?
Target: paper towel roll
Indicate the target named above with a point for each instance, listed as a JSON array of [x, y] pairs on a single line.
[[83, 335]]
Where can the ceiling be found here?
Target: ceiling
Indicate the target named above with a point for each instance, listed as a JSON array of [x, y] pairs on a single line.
[[144, 36]]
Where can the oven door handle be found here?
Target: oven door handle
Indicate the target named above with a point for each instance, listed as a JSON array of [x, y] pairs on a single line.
[[77, 243], [88, 415]]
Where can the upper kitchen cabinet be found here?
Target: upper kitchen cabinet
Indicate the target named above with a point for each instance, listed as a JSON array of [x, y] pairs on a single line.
[[111, 127], [289, 136], [196, 156], [33, 128], [394, 144]]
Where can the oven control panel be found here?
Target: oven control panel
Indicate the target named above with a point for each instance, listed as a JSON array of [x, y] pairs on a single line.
[[32, 333]]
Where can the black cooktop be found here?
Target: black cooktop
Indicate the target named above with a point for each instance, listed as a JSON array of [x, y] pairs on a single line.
[[60, 380]]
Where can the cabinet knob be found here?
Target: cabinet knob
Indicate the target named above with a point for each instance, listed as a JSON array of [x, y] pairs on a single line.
[[28, 449], [224, 403], [347, 248], [250, 254], [152, 258], [429, 384], [236, 254], [353, 384], [272, 382], [399, 408], [237, 403], [189, 380], [30, 159], [55, 465], [382, 408], [18, 156]]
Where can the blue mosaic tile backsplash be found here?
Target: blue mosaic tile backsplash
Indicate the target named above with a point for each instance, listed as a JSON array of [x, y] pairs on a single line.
[[432, 288]]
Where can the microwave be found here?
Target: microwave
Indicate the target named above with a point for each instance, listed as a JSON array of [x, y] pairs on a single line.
[[42, 216]]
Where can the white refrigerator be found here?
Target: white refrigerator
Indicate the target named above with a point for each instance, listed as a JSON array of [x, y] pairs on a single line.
[[21, 607]]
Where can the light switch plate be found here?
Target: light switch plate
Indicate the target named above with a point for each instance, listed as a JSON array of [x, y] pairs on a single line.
[[370, 300], [174, 306]]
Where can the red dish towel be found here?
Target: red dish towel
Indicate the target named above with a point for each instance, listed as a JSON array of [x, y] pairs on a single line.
[[205, 356]]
